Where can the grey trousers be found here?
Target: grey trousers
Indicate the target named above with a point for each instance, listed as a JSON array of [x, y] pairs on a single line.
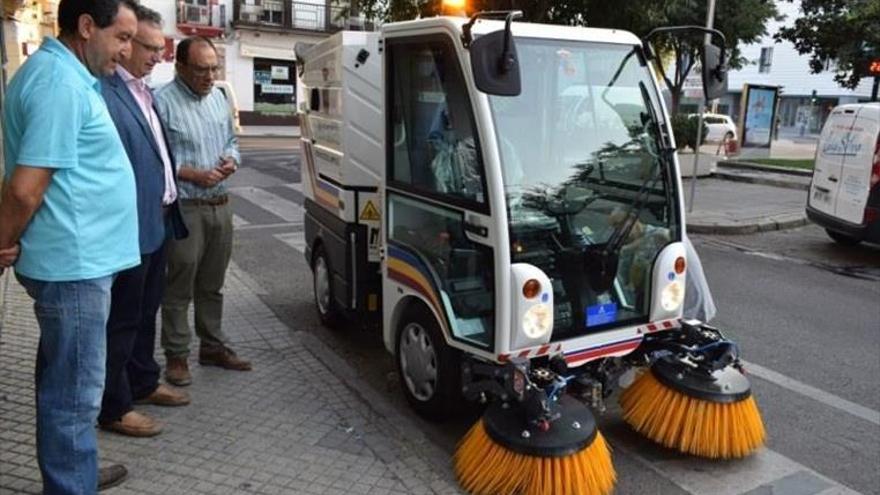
[[196, 272]]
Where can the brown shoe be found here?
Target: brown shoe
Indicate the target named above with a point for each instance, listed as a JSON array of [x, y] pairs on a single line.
[[135, 424], [223, 357], [177, 372], [165, 396], [111, 476]]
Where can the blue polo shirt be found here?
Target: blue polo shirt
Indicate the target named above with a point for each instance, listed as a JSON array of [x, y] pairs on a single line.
[[55, 118]]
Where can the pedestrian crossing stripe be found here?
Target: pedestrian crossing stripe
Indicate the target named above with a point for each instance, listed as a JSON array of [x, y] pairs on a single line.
[[370, 212]]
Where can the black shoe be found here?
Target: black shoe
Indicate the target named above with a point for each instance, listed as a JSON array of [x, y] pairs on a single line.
[[110, 476]]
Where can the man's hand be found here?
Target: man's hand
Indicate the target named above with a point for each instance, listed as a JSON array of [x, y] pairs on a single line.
[[8, 257], [226, 167], [210, 178]]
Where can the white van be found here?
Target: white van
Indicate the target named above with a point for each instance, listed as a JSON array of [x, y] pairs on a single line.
[[232, 101], [844, 194]]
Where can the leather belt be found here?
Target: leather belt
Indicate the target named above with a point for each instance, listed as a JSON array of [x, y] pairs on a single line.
[[215, 201]]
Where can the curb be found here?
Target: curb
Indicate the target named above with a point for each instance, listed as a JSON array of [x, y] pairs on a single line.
[[767, 225], [767, 181], [744, 164]]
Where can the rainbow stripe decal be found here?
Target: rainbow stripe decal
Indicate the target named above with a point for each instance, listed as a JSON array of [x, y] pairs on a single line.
[[325, 193], [603, 350], [407, 269]]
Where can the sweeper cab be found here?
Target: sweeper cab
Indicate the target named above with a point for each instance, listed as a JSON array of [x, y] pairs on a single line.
[[504, 200]]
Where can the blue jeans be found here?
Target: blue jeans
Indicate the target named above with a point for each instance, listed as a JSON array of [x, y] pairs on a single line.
[[69, 379]]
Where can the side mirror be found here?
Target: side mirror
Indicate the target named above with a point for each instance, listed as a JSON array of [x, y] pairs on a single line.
[[714, 72], [495, 64]]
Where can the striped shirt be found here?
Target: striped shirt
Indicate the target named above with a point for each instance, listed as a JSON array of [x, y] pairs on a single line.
[[200, 132]]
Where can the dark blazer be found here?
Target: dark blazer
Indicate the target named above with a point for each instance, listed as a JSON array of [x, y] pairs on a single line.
[[146, 160]]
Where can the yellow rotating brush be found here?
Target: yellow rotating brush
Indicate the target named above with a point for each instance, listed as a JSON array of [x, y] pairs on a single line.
[[694, 410], [568, 456]]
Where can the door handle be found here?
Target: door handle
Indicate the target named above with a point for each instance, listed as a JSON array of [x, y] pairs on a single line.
[[475, 229]]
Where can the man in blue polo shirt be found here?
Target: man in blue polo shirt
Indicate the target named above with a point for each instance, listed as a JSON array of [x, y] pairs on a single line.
[[68, 213]]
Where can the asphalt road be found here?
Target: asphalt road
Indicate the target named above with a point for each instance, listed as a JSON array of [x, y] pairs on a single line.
[[805, 312]]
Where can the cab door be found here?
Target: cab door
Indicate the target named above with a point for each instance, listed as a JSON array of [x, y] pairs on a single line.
[[855, 176], [439, 227]]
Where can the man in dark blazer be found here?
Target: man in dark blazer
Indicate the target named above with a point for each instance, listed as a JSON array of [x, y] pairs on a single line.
[[132, 372]]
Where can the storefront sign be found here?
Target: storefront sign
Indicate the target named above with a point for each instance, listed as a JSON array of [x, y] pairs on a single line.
[[277, 89], [280, 72]]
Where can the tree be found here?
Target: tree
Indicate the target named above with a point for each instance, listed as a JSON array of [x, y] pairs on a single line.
[[743, 21], [846, 32]]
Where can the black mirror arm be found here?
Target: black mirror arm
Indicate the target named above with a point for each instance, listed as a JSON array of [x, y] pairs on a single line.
[[672, 29], [467, 36]]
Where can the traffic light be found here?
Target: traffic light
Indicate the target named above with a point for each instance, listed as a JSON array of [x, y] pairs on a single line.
[[813, 98]]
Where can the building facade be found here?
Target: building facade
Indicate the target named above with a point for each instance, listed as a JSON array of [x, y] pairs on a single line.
[[806, 98]]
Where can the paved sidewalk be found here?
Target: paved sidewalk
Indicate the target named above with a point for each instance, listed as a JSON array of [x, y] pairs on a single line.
[[291, 426]]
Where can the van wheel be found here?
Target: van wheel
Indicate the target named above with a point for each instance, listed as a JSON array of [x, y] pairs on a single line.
[[428, 368], [328, 311], [843, 239]]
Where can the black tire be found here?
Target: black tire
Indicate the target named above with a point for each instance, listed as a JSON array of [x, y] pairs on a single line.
[[842, 239], [431, 382], [322, 286]]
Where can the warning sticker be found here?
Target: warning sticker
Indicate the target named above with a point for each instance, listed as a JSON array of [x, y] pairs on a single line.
[[370, 212]]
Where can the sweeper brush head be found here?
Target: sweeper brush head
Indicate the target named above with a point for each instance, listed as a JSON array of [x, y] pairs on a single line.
[[571, 458], [716, 418]]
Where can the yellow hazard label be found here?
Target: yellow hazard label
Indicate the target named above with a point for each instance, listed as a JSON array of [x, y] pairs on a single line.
[[370, 212]]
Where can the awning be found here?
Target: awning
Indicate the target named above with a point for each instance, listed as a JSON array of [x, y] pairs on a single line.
[[253, 51]]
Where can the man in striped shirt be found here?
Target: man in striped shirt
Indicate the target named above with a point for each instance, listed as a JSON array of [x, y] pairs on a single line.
[[201, 138]]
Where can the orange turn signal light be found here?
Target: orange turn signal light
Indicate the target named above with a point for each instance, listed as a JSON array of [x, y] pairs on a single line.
[[531, 288], [680, 265]]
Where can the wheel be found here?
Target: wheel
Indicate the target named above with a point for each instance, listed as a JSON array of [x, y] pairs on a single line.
[[328, 311], [843, 239], [428, 368]]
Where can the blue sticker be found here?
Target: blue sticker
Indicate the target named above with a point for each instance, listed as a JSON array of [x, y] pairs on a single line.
[[545, 297], [600, 314], [671, 276]]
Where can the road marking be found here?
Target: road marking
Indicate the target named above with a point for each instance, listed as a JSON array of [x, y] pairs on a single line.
[[296, 240], [296, 186], [238, 222], [261, 226], [278, 206], [814, 393]]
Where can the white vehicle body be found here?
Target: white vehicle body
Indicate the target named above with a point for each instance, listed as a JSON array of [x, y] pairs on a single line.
[[452, 250], [844, 194], [720, 126]]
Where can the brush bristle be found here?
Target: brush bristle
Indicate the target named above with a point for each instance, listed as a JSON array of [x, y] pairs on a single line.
[[692, 426], [484, 467]]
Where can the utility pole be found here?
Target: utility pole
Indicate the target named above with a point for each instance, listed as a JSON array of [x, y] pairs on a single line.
[[707, 39]]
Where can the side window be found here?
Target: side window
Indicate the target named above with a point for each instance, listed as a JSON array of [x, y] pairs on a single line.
[[462, 271], [435, 148]]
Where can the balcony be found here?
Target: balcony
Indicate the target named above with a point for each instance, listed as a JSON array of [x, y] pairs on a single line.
[[201, 17], [289, 15]]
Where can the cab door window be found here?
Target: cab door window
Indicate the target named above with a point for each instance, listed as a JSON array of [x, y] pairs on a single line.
[[435, 150]]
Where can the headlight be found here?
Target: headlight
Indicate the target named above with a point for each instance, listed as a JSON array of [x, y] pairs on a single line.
[[672, 296], [537, 321]]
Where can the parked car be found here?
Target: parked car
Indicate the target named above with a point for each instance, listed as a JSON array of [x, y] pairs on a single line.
[[845, 190], [226, 88], [720, 127]]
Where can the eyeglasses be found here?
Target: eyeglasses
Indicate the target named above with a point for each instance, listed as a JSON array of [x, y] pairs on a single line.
[[204, 71], [154, 49]]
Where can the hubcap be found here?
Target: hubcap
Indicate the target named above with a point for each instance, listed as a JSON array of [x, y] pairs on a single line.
[[322, 285], [418, 362]]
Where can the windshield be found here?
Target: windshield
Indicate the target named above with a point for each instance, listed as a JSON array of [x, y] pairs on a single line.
[[586, 170]]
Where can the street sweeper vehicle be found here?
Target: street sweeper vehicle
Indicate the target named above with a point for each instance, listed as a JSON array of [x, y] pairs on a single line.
[[503, 200]]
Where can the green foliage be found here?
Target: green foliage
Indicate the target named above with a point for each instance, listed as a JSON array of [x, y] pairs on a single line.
[[845, 31], [684, 128]]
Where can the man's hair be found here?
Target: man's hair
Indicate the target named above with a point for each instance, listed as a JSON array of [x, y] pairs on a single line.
[[102, 11], [146, 14], [182, 54]]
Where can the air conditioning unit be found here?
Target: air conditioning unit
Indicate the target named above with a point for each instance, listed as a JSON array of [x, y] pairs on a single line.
[[196, 15]]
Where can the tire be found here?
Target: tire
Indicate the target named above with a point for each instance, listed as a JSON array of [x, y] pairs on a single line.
[[322, 285], [842, 239], [429, 370]]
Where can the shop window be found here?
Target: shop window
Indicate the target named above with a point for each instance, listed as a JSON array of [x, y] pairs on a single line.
[[274, 87]]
